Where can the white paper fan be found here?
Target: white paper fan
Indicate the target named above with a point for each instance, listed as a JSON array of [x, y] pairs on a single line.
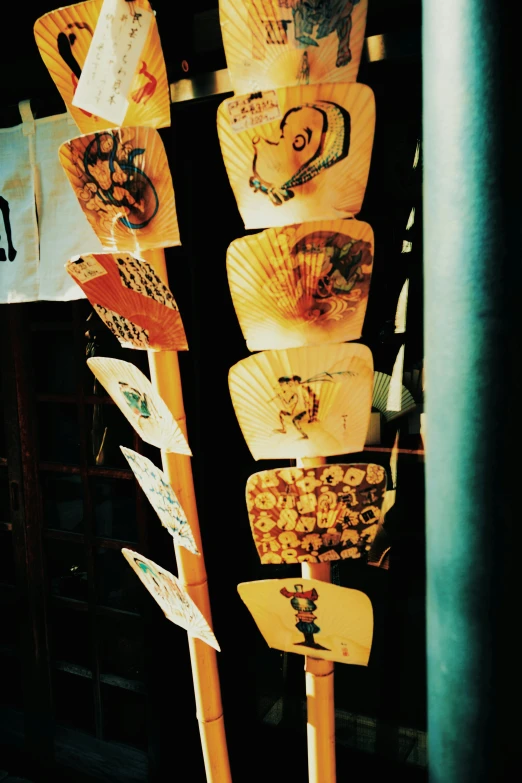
[[381, 396], [310, 617], [281, 43], [140, 404], [304, 402], [174, 601], [299, 153], [302, 285], [162, 498]]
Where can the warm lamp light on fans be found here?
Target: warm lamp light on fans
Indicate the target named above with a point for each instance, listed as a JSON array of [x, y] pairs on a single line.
[[304, 402], [298, 154], [299, 285]]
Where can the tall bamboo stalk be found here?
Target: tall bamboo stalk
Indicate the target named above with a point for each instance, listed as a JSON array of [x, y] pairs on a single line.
[[165, 378], [319, 674]]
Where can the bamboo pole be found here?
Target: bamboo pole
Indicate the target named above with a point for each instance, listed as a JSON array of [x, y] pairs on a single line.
[[166, 379], [319, 674]]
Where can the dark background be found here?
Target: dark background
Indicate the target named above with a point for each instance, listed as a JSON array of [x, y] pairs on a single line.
[[392, 690]]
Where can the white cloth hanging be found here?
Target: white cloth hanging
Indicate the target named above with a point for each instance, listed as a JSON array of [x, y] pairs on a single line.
[[19, 259], [47, 223]]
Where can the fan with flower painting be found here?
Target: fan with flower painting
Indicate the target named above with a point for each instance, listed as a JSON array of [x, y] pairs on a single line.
[[162, 498], [174, 601]]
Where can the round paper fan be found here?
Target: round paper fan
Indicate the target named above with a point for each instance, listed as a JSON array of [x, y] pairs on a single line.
[[304, 402], [282, 43], [299, 153], [316, 515], [310, 617], [131, 300], [168, 592], [162, 498], [140, 404], [302, 285], [381, 396], [122, 180], [63, 38]]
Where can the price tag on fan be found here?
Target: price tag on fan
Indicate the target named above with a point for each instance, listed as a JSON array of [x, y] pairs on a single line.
[[254, 109], [112, 59], [86, 268]]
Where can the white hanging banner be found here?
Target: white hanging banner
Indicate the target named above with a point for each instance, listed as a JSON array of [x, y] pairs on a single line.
[[112, 59]]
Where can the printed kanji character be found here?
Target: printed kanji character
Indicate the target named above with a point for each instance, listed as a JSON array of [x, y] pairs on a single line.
[[311, 542], [331, 538], [268, 544], [305, 524], [286, 501], [307, 503], [330, 555], [264, 522], [287, 519], [351, 536], [370, 495], [369, 515], [348, 498], [307, 559]]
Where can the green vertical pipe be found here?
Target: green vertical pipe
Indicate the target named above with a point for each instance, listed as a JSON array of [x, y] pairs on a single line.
[[472, 135]]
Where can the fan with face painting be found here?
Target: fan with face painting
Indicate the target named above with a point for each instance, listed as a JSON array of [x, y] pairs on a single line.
[[309, 164]]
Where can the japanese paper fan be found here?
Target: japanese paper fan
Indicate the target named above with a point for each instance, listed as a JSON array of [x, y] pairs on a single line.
[[302, 285], [304, 402], [298, 153], [382, 398], [64, 37], [122, 180], [310, 617], [140, 404], [162, 498], [300, 515], [131, 300], [281, 43], [174, 601]]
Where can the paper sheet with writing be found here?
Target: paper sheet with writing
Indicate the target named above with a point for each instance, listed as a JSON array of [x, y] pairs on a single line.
[[112, 60], [255, 109]]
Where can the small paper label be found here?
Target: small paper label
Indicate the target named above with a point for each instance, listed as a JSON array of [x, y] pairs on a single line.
[[85, 269], [112, 60], [255, 109]]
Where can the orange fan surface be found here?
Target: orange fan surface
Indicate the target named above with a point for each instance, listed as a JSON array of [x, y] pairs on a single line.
[[326, 513], [63, 38], [130, 288], [302, 285], [122, 180], [298, 154], [281, 43]]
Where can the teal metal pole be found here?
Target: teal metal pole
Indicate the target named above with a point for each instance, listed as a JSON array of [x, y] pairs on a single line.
[[472, 135]]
